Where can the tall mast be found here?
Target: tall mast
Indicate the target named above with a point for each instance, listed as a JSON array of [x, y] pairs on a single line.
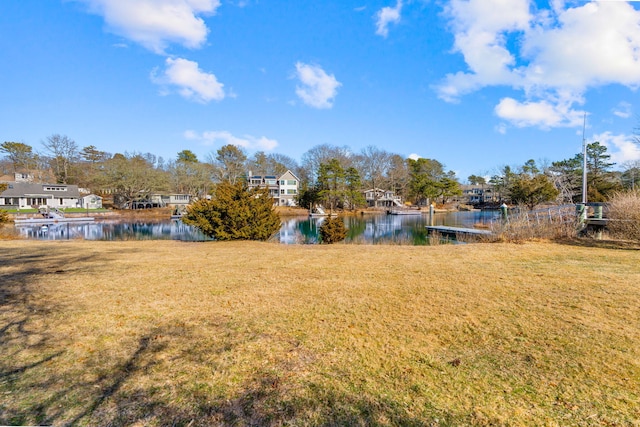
[[584, 162]]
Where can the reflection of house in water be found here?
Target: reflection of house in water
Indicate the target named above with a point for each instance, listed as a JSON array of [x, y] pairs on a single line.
[[112, 230]]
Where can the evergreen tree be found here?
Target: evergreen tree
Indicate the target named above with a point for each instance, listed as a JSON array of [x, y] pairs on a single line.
[[353, 194], [332, 230], [331, 182], [4, 215], [235, 212]]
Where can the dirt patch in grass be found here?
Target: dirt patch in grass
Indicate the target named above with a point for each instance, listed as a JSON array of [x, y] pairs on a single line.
[[175, 333]]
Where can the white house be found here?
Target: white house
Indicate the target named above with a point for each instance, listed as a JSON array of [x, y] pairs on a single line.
[[24, 195], [91, 201], [283, 188]]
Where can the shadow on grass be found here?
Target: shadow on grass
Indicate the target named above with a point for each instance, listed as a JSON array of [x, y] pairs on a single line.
[[600, 244], [41, 382]]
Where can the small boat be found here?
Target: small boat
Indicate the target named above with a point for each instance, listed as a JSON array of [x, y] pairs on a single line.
[[405, 211]]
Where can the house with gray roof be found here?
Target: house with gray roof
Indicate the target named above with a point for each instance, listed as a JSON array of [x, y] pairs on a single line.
[[26, 195]]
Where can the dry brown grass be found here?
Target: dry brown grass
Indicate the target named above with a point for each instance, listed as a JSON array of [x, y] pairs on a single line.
[[172, 333], [624, 215]]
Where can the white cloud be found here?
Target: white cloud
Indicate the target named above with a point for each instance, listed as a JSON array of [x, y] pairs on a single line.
[[552, 55], [414, 156], [191, 82], [386, 16], [623, 110], [622, 148], [249, 142], [544, 114], [317, 88], [156, 23]]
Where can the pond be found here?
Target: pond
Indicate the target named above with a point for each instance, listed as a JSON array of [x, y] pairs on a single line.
[[362, 229]]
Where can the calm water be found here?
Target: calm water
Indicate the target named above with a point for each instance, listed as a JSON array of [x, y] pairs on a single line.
[[366, 229]]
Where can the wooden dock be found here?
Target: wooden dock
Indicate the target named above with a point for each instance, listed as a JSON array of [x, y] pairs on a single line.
[[458, 230]]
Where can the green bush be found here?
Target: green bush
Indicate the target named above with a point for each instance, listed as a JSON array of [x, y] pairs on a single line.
[[235, 212], [333, 230]]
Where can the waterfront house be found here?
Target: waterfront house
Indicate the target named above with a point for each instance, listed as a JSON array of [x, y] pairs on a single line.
[[26, 195], [283, 189], [378, 198], [477, 194], [179, 201]]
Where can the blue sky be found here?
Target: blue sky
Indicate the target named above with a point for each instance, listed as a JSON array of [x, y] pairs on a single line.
[[475, 84]]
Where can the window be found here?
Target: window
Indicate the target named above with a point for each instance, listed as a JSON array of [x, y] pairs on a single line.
[[291, 182], [271, 181], [291, 191], [282, 191]]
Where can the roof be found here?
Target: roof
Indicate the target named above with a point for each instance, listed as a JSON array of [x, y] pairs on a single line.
[[288, 172], [22, 189]]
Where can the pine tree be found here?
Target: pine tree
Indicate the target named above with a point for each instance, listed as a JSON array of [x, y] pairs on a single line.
[[333, 230]]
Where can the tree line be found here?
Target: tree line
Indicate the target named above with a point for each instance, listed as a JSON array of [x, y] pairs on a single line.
[[334, 176]]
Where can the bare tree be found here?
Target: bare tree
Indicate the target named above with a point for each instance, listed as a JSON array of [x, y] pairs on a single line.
[[374, 165], [63, 152], [229, 163], [324, 153]]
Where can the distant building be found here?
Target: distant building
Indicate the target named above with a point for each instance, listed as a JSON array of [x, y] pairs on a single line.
[[17, 177], [378, 198], [161, 201], [283, 189], [91, 201], [477, 194], [25, 195]]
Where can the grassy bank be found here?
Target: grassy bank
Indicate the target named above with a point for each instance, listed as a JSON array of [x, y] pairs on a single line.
[[164, 332]]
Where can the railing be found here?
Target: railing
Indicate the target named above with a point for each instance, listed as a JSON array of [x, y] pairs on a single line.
[[561, 213]]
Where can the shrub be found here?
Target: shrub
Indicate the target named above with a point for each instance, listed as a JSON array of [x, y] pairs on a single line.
[[524, 225], [235, 212], [4, 216], [624, 215], [333, 230]]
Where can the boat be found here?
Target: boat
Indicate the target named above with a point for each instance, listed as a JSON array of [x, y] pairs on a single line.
[[404, 211]]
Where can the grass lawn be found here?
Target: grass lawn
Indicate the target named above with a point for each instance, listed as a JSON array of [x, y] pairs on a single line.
[[172, 333]]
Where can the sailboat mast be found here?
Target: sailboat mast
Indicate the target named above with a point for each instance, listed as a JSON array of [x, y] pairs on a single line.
[[584, 162]]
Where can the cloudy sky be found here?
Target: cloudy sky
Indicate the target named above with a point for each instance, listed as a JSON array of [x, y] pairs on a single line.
[[475, 84]]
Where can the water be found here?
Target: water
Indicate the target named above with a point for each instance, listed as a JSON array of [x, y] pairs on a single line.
[[362, 229]]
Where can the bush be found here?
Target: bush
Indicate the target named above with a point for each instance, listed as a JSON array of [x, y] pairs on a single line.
[[524, 225], [333, 230], [235, 212], [4, 216], [624, 215]]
